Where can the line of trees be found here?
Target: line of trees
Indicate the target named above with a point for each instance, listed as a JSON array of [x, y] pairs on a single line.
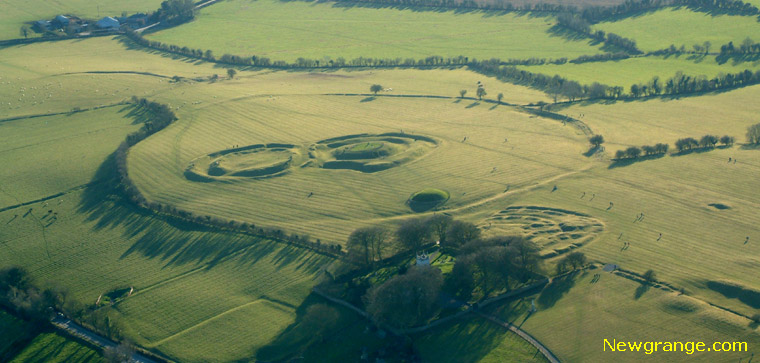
[[482, 267], [579, 24], [495, 264], [706, 142], [340, 62], [748, 46], [557, 86], [681, 145], [600, 57], [634, 152]]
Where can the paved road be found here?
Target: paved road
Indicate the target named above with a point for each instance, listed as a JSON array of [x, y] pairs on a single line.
[[545, 351], [77, 330]]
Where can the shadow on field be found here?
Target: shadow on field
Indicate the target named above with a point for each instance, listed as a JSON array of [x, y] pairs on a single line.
[[368, 99], [556, 289], [177, 242], [641, 290], [625, 162], [567, 34], [321, 329], [750, 147]]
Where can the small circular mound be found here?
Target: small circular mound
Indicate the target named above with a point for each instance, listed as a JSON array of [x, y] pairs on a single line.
[[430, 195], [427, 199], [365, 150]]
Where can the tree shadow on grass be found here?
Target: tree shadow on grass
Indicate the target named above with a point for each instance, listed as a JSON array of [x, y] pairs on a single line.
[[750, 147], [338, 335], [175, 241], [628, 161], [476, 103], [554, 291], [368, 99], [641, 290], [593, 150]]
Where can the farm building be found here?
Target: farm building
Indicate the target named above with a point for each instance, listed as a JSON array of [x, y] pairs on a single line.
[[42, 25], [108, 23], [60, 22]]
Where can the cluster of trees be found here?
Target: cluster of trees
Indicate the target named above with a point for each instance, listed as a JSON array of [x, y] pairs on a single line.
[[748, 46], [406, 300], [175, 11], [493, 264], [706, 142], [365, 245], [19, 294], [753, 134], [482, 265], [571, 262]]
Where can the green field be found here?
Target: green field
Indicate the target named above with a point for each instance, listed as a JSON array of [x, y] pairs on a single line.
[[677, 26], [21, 341], [474, 339], [52, 347], [14, 13], [627, 72], [289, 30], [621, 309]]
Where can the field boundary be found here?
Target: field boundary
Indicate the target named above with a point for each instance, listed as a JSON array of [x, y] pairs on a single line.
[[70, 112]]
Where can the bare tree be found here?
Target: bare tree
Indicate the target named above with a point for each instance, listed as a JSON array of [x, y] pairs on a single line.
[[460, 232], [366, 244], [413, 233], [405, 300], [439, 224]]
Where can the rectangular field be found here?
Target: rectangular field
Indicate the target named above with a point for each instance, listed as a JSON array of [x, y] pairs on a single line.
[[680, 26], [289, 30], [627, 72]]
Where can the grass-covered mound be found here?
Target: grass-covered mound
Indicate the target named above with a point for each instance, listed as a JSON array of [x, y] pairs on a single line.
[[369, 153], [249, 161], [428, 198], [430, 195]]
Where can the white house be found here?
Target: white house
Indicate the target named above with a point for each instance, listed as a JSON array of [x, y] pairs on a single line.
[[108, 23]]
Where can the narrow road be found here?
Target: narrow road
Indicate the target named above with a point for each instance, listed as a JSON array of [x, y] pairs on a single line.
[[78, 331], [544, 350]]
